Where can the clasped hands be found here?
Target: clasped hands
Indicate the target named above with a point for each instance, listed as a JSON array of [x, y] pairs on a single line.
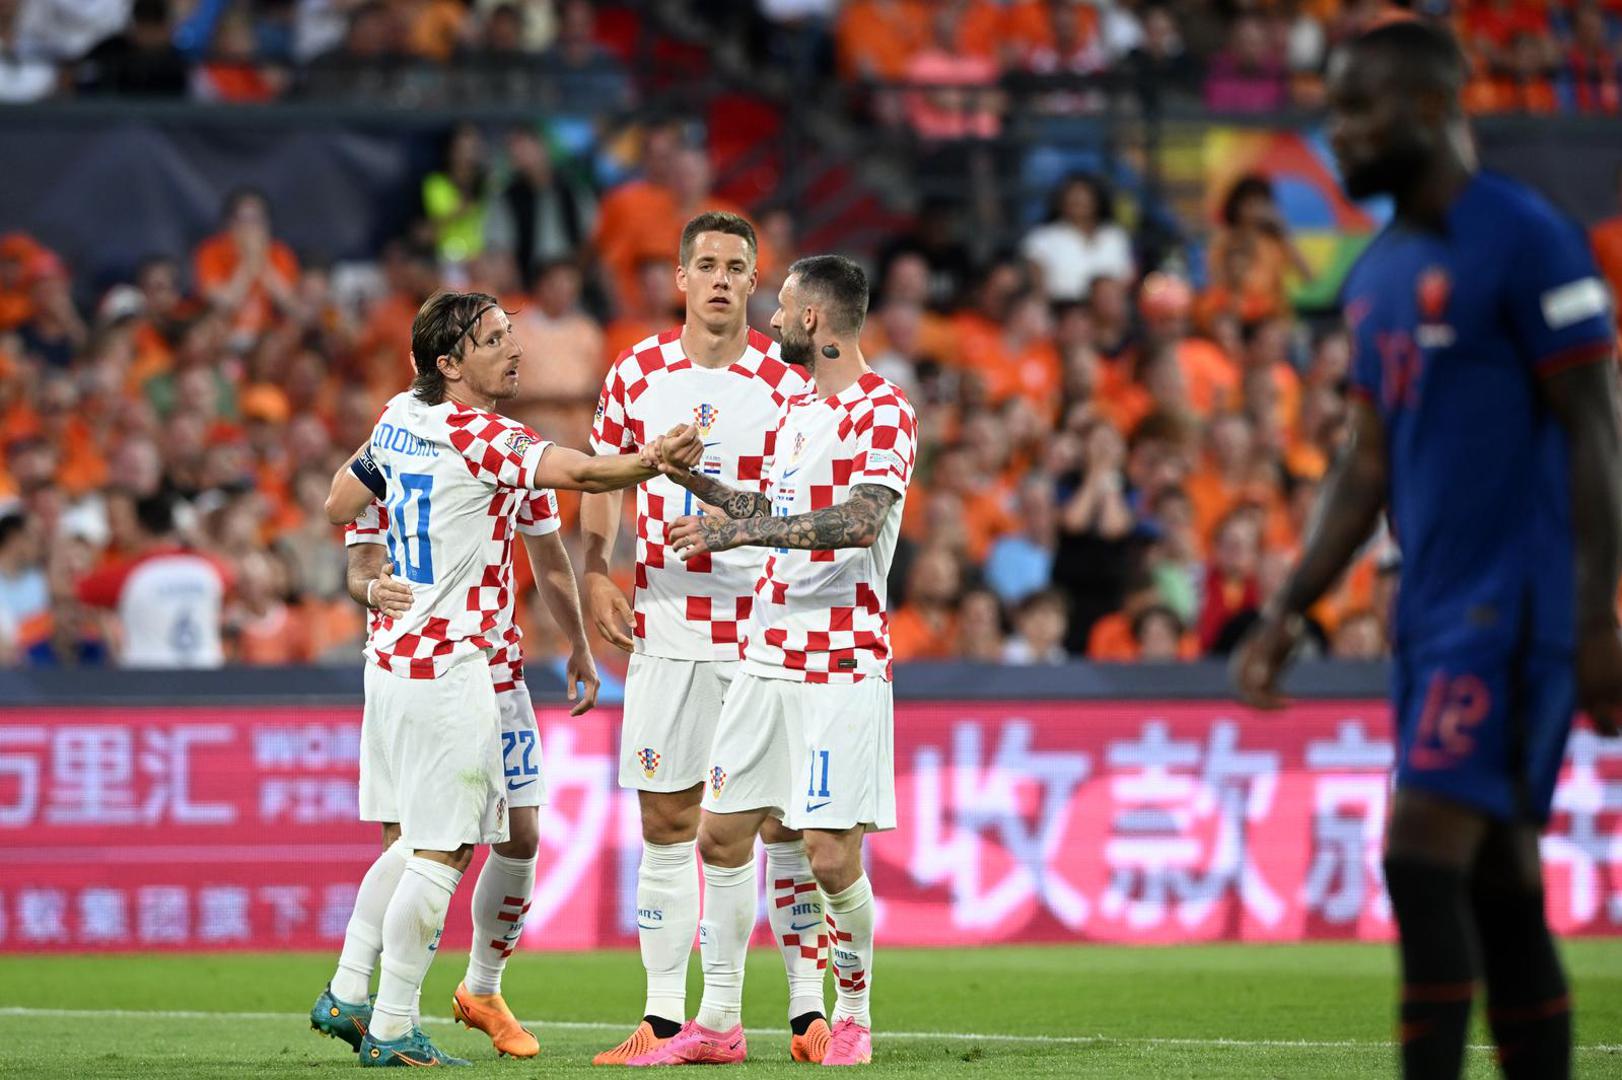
[[680, 448]]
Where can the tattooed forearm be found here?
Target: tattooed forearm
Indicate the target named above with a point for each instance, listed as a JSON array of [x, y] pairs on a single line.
[[729, 500], [853, 523]]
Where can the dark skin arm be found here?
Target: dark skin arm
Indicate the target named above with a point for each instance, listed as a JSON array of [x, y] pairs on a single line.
[[853, 523], [1346, 515], [1583, 400]]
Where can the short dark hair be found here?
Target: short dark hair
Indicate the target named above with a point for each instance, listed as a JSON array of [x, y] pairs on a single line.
[[1103, 197], [441, 326], [840, 284], [10, 525], [718, 221], [239, 195], [1246, 187], [1424, 56], [156, 515]]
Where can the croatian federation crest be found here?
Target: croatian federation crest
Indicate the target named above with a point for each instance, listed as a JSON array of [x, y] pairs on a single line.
[[798, 450], [704, 418], [648, 758], [718, 780]]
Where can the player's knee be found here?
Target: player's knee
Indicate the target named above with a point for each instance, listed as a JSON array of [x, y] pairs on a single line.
[[523, 835], [834, 868], [718, 848], [458, 860], [668, 831], [669, 817]]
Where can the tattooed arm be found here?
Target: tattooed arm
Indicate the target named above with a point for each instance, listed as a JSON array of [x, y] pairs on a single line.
[[853, 523], [731, 501]]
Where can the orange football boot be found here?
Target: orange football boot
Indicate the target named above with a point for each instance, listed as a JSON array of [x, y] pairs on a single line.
[[642, 1041], [812, 1047], [489, 1014]]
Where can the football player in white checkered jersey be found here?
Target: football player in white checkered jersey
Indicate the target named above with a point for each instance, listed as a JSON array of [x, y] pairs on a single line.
[[455, 473], [806, 735], [684, 630], [501, 897]]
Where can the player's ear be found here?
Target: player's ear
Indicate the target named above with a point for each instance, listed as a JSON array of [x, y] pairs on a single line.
[[447, 365], [681, 278]]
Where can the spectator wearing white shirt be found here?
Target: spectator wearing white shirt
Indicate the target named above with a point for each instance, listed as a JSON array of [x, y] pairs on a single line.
[[1079, 243]]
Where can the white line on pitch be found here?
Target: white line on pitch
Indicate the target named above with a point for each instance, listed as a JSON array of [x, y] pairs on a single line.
[[592, 1025]]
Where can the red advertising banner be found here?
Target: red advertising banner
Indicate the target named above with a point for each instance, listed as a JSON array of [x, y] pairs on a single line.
[[197, 827]]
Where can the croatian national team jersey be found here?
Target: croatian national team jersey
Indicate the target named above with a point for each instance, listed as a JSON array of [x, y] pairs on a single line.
[[455, 478], [1452, 331], [537, 516], [820, 616], [693, 610]]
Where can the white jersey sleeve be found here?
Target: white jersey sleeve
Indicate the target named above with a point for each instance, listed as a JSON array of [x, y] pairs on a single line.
[[694, 610], [821, 616]]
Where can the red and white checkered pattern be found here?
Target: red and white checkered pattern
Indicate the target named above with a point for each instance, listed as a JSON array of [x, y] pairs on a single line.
[[468, 473], [820, 616], [693, 610], [786, 892], [537, 515], [852, 980]]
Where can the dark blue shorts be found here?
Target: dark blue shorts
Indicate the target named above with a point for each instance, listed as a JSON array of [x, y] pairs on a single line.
[[1487, 733]]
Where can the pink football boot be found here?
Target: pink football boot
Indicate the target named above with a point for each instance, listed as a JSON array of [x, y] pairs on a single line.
[[852, 1044], [696, 1045]]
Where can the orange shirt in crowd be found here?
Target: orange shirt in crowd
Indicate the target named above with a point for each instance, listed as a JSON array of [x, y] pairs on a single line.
[[1122, 399], [1500, 95], [913, 636], [83, 468], [217, 260], [1111, 642], [282, 635], [1256, 273], [937, 340], [877, 38], [1607, 242], [1033, 373], [623, 333], [1209, 376]]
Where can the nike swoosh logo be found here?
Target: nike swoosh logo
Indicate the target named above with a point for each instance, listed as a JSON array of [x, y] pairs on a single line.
[[790, 472], [797, 928], [648, 926], [809, 808], [515, 787], [717, 442]]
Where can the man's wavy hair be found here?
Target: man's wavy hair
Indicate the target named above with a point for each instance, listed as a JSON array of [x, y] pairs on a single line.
[[441, 328]]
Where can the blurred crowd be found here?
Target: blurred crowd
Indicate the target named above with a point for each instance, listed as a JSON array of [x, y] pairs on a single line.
[[1113, 463], [1235, 56]]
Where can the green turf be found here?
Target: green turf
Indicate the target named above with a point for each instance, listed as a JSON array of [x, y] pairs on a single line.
[[1200, 1012]]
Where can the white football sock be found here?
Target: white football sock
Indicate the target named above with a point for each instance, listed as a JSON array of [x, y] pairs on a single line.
[[410, 938], [794, 905], [363, 937], [723, 942], [666, 921], [850, 918], [500, 902]]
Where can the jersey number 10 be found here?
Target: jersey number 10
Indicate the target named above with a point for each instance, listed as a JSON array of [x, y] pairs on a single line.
[[409, 550]]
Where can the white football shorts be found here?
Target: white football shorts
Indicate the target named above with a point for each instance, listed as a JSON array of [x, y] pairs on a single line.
[[816, 755], [521, 749], [671, 708], [430, 757]]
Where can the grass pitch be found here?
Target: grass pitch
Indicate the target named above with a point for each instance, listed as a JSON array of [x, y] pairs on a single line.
[[1206, 1012]]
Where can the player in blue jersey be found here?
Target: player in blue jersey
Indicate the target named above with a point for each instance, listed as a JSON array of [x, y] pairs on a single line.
[[1484, 426]]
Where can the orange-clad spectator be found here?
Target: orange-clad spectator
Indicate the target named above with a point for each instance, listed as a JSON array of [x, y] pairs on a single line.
[[1109, 302], [435, 28], [1040, 626], [906, 286], [978, 327], [1232, 587], [979, 628], [1252, 258], [263, 626], [1607, 243], [1223, 480], [1161, 638], [691, 180], [1592, 63], [925, 625], [164, 308], [1521, 84], [231, 72], [55, 333], [1050, 38], [1359, 636], [562, 371], [243, 271], [965, 103], [962, 472], [81, 466], [878, 38], [1209, 378], [650, 310], [1267, 355], [638, 209], [1490, 27], [21, 259], [1022, 361], [383, 352]]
